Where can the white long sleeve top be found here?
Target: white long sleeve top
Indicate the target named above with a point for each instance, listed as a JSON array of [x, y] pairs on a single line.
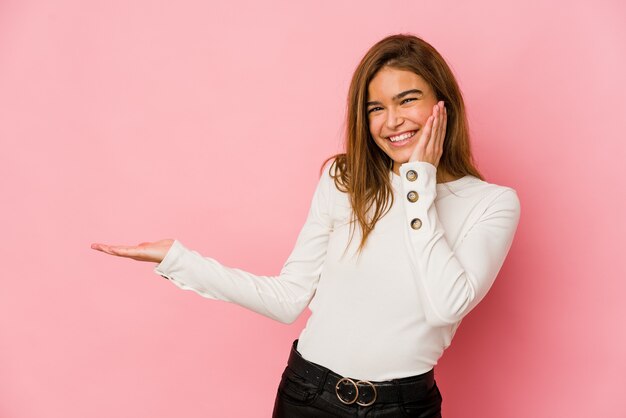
[[393, 310]]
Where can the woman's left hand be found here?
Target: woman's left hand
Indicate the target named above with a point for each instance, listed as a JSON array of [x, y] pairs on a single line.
[[429, 147]]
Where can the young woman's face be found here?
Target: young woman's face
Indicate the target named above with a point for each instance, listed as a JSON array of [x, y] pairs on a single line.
[[399, 103]]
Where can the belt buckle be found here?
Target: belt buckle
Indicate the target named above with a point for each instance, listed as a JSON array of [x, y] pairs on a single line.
[[373, 389], [356, 389]]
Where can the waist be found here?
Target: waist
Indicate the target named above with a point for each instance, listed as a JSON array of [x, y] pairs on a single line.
[[350, 390], [392, 355]]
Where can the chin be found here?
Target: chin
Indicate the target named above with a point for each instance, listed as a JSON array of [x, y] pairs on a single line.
[[400, 159]]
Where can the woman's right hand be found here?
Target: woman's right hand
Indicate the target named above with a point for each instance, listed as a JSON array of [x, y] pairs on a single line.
[[146, 251]]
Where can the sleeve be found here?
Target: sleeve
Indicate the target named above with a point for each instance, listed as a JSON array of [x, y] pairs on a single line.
[[452, 282], [282, 297]]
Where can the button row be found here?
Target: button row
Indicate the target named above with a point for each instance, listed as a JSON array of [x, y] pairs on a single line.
[[412, 196]]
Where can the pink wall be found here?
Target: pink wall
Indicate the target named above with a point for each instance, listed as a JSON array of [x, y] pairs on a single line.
[[127, 121]]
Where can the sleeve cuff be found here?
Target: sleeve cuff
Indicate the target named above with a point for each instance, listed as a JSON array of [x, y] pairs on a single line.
[[418, 172], [419, 186], [166, 265]]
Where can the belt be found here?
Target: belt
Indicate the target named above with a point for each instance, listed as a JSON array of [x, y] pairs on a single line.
[[361, 392]]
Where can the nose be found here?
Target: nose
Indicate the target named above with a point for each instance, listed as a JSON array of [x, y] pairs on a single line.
[[393, 119]]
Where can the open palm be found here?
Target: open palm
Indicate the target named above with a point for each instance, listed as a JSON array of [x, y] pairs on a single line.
[[146, 251]]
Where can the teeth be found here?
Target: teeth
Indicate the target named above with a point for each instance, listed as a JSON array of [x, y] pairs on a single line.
[[401, 137]]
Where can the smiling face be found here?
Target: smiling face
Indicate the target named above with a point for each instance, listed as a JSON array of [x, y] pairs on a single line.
[[399, 103]]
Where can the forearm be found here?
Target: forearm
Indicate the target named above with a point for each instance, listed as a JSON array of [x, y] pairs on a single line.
[[451, 281]]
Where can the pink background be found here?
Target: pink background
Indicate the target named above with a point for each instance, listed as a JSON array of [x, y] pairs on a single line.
[[131, 121]]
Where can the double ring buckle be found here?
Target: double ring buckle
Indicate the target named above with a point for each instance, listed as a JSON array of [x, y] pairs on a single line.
[[356, 389]]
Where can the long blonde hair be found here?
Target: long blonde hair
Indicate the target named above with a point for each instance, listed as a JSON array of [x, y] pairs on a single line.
[[363, 169]]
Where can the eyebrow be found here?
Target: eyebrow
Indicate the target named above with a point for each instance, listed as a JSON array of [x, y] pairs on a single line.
[[398, 96]]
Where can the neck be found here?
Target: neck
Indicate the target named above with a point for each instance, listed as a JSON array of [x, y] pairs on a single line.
[[443, 177]]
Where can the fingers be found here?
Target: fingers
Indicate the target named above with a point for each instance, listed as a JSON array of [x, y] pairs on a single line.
[[439, 131], [428, 129], [432, 142], [442, 138], [101, 247], [118, 250], [421, 148]]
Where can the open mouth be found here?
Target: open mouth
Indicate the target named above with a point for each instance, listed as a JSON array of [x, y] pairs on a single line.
[[401, 139]]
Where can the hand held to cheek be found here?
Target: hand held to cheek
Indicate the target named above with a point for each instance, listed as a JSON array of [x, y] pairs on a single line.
[[429, 146]]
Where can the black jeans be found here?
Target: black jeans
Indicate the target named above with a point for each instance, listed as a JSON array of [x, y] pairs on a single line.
[[309, 390]]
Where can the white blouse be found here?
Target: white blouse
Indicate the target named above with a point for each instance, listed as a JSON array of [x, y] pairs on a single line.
[[392, 311]]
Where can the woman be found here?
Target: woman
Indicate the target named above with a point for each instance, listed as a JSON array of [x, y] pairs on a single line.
[[431, 236]]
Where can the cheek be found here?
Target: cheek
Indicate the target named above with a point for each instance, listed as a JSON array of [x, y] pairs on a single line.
[[374, 130], [424, 112], [419, 115], [374, 126]]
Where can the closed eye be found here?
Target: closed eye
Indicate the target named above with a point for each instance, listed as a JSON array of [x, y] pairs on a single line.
[[373, 109]]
